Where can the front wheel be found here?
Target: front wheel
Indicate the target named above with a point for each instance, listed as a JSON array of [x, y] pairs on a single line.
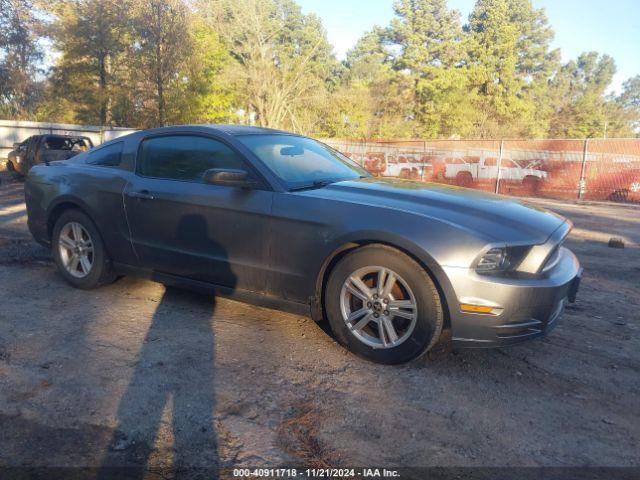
[[79, 252], [383, 306]]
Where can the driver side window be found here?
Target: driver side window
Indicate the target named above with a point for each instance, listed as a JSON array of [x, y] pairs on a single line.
[[184, 157]]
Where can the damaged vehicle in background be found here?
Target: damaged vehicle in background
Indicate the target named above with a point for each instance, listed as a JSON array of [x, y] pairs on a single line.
[[43, 149]]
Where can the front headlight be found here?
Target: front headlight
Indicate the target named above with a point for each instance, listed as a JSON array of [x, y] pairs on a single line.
[[501, 259], [492, 261]]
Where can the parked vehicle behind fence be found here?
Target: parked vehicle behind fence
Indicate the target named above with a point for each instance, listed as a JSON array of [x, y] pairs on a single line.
[[595, 169], [409, 165], [469, 169]]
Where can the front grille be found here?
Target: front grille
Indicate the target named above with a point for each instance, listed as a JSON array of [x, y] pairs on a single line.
[[530, 327], [520, 329]]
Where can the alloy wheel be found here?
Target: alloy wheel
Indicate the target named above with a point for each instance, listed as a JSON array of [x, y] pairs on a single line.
[[76, 249], [378, 307]]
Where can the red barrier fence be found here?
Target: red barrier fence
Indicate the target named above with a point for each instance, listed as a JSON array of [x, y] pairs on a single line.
[[593, 169]]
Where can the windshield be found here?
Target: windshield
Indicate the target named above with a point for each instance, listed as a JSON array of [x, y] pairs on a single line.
[[302, 162]]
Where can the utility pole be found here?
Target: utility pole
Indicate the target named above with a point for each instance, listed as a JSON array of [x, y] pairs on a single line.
[[499, 166], [582, 186]]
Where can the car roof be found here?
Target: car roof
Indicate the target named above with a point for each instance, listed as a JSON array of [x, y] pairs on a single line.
[[221, 128], [245, 130], [232, 130], [56, 135]]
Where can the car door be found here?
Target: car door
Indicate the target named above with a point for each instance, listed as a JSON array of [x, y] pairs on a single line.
[[183, 226], [488, 169]]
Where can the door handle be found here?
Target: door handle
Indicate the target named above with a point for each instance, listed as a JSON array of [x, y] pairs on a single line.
[[142, 194]]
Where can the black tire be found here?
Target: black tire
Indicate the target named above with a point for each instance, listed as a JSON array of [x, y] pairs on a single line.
[[464, 179], [101, 271], [430, 317], [619, 196], [531, 184], [10, 166]]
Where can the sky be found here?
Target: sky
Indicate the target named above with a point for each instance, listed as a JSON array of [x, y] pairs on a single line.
[[606, 26]]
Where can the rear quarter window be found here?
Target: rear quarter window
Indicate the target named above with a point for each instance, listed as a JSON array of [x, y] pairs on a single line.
[[108, 156]]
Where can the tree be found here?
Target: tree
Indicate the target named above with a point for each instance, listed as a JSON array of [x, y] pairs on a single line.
[[371, 99], [159, 53], [510, 64], [578, 91], [91, 36], [283, 61], [629, 103], [204, 92], [427, 36], [20, 54]]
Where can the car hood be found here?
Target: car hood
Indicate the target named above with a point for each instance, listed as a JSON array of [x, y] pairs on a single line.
[[495, 217]]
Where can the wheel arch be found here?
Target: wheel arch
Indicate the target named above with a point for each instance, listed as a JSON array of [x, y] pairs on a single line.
[[531, 178], [61, 205], [422, 258]]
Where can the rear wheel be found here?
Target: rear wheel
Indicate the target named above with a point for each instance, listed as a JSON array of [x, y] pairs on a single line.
[[531, 184], [382, 305], [464, 179], [619, 196], [79, 252]]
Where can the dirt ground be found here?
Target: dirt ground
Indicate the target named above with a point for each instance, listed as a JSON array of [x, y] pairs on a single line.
[[136, 374]]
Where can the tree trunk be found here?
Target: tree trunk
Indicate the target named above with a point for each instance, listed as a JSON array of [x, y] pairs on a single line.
[[102, 88], [160, 86]]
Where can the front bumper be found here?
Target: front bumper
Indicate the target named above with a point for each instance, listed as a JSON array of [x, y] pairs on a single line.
[[525, 307]]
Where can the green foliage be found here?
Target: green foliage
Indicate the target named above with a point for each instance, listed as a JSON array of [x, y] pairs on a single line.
[[581, 107], [91, 38], [372, 99], [428, 74], [20, 53], [137, 63], [510, 64], [426, 39], [629, 104], [202, 96], [282, 62]]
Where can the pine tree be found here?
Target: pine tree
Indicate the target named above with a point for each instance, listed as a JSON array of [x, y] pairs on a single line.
[[427, 36], [510, 64]]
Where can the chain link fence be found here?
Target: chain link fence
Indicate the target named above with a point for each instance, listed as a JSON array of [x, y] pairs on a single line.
[[593, 169]]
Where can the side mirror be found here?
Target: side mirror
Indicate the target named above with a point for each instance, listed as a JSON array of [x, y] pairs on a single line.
[[228, 177]]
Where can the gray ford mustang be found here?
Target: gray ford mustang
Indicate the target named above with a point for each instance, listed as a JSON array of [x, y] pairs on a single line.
[[283, 221]]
